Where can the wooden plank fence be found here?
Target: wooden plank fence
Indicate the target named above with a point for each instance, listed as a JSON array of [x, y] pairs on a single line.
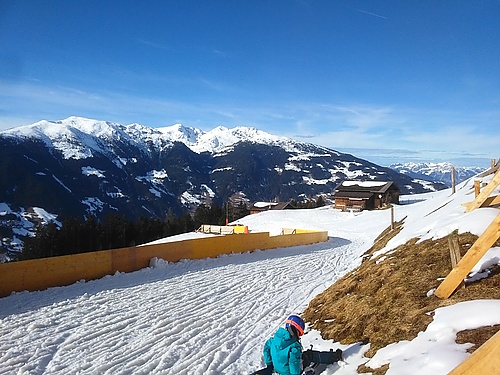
[[486, 359]]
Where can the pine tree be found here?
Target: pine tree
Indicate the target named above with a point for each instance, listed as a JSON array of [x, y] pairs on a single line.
[[70, 237], [91, 235], [320, 202], [44, 244]]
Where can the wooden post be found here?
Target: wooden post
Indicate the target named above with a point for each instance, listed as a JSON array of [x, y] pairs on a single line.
[[454, 249], [455, 252], [493, 163], [392, 217], [452, 180], [470, 259], [477, 187]]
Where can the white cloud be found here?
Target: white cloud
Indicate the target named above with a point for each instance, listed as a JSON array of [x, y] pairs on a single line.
[[366, 116]]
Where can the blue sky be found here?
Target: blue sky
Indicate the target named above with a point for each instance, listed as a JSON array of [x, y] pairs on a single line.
[[385, 80]]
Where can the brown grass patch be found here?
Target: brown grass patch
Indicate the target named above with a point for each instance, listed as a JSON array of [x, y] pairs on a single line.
[[477, 336], [385, 299]]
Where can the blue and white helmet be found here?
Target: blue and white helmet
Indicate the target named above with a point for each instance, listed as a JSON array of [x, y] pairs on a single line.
[[296, 322]]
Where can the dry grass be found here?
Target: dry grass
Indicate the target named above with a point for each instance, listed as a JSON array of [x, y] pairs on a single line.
[[477, 336], [385, 299]]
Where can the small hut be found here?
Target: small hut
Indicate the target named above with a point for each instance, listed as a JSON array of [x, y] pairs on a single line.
[[365, 195]]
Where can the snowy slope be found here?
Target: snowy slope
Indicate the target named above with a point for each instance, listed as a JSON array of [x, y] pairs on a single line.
[[193, 317], [212, 316]]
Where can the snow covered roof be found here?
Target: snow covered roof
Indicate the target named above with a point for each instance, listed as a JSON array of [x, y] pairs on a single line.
[[263, 206]]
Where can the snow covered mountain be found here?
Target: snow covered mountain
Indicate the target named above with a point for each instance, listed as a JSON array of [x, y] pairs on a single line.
[[439, 172], [221, 137], [79, 166]]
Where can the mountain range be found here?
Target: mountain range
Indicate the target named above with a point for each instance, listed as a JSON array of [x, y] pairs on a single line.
[[77, 166], [441, 172]]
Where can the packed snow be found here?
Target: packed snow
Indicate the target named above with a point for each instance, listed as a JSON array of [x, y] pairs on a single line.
[[212, 316]]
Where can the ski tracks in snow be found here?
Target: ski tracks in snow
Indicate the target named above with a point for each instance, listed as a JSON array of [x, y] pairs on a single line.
[[192, 317]]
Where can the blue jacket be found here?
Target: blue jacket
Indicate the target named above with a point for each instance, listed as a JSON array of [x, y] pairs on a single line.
[[284, 352]]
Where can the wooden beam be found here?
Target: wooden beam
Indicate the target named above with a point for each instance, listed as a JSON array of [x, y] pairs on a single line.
[[485, 360], [488, 202], [493, 169], [477, 188], [485, 193], [491, 201], [470, 259]]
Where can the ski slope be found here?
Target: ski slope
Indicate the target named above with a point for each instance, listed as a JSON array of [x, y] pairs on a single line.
[[212, 316], [209, 316]]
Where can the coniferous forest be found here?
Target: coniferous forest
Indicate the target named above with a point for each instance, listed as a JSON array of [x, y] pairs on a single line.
[[75, 236]]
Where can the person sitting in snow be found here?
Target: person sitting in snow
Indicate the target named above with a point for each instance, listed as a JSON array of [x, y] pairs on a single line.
[[283, 351]]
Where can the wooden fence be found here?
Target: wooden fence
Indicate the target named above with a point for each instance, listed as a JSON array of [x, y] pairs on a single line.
[[486, 359], [39, 274]]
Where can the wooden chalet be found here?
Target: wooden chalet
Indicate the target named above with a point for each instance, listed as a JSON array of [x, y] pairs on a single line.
[[365, 195], [265, 206]]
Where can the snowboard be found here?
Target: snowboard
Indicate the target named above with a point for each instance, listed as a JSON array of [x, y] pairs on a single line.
[[310, 356], [311, 359], [263, 371]]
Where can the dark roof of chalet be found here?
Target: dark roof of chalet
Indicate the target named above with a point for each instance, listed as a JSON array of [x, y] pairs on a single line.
[[353, 194], [370, 187]]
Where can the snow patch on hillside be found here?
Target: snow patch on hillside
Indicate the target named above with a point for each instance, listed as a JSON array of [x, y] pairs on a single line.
[[90, 171], [94, 205]]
